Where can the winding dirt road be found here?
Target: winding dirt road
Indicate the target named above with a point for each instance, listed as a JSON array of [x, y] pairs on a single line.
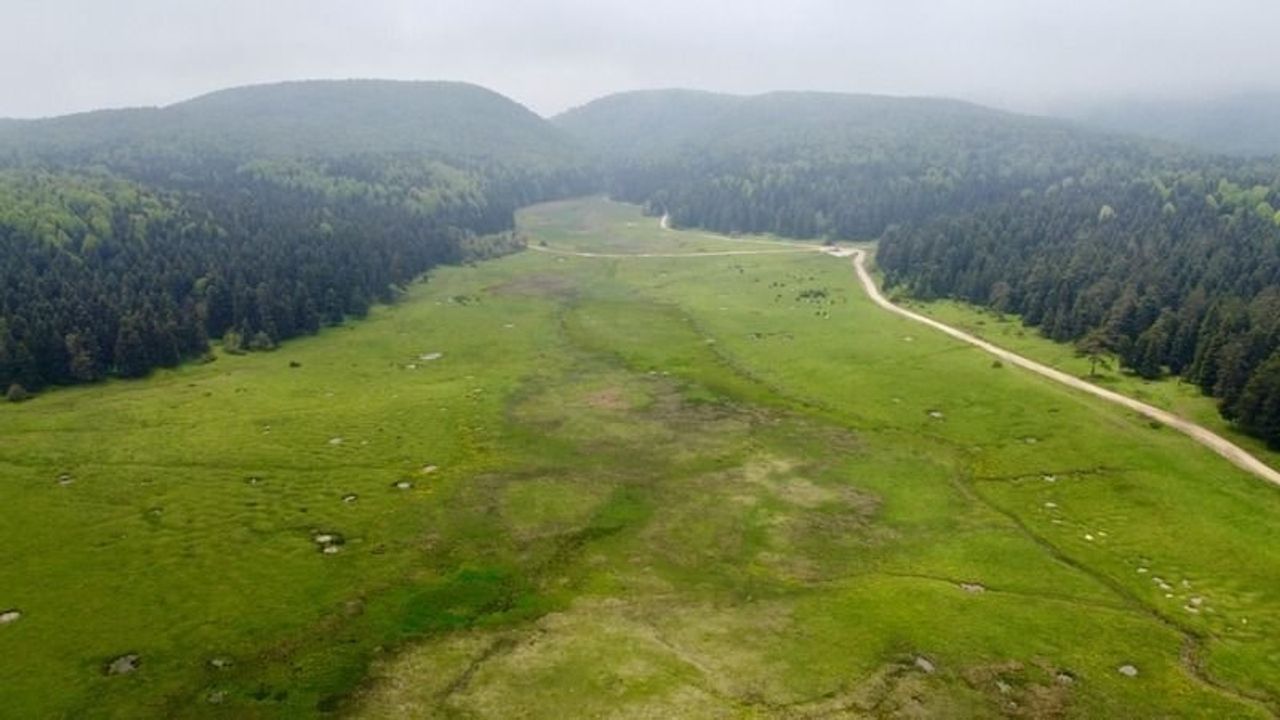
[[1232, 452]]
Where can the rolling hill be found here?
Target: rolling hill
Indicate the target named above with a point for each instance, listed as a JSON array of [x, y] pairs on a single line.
[[791, 162], [1243, 125], [132, 237], [308, 119]]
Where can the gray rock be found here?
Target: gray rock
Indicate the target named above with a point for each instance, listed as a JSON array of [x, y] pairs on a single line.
[[124, 664]]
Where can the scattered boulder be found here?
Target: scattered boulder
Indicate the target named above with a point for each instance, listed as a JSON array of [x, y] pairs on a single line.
[[221, 663], [1065, 678], [124, 664], [350, 498], [924, 664], [216, 697], [329, 543], [428, 469], [936, 414], [335, 441], [1128, 671], [10, 616], [428, 357], [973, 587], [65, 479], [404, 485]]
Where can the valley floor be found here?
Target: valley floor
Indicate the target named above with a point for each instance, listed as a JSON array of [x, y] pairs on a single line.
[[559, 486]]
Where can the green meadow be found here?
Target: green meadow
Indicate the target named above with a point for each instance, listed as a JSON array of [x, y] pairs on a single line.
[[1168, 393], [554, 486]]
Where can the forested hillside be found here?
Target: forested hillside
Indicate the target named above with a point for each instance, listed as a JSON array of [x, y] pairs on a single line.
[[1164, 256], [129, 238], [828, 165], [1178, 274]]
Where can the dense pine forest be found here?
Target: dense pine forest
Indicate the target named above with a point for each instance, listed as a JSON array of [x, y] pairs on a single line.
[[130, 239], [815, 165], [1176, 275], [133, 239]]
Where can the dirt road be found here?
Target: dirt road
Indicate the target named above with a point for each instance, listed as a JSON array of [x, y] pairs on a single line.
[[574, 253], [1237, 455]]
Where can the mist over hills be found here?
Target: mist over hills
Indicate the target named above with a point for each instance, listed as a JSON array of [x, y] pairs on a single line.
[[312, 118], [1242, 125]]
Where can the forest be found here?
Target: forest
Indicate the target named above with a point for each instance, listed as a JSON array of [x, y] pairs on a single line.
[[821, 165], [1165, 258], [133, 239], [1176, 275], [129, 240]]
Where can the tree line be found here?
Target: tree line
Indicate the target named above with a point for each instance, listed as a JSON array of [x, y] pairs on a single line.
[[1175, 274], [1164, 258], [103, 275]]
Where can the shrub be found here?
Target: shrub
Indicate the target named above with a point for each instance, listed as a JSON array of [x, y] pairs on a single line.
[[233, 343], [17, 393], [261, 342]]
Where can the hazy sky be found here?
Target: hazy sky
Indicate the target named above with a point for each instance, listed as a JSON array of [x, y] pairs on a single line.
[[59, 56]]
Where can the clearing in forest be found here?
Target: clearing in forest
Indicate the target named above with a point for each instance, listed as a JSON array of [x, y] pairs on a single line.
[[716, 486]]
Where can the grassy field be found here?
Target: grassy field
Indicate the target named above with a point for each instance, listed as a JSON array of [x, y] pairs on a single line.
[[1167, 393], [698, 487]]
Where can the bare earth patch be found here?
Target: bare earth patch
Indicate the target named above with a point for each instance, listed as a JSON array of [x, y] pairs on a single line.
[[608, 399]]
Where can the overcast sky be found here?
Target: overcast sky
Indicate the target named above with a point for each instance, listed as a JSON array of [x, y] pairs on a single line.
[[59, 56]]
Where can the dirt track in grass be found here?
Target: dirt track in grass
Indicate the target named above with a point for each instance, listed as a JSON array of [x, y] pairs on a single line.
[[1220, 445]]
